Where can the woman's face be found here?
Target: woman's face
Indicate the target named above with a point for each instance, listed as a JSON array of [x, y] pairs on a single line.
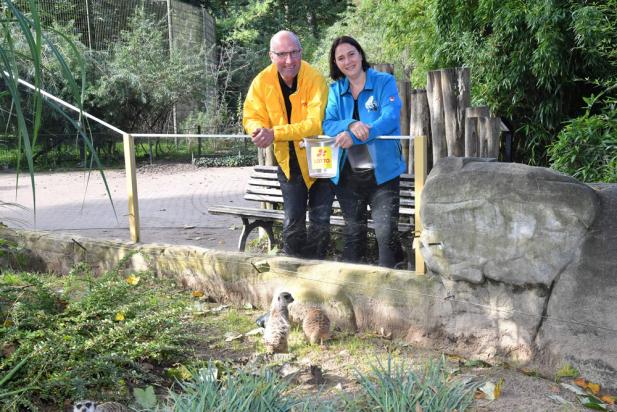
[[349, 60]]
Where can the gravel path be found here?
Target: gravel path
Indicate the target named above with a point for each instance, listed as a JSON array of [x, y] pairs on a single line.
[[173, 204]]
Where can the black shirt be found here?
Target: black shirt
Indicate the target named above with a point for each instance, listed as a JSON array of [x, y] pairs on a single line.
[[294, 167]]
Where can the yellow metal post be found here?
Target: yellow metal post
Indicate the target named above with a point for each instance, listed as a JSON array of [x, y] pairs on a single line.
[[131, 185], [419, 170]]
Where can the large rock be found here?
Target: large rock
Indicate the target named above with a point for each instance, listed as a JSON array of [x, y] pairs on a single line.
[[506, 222], [531, 252], [581, 322]]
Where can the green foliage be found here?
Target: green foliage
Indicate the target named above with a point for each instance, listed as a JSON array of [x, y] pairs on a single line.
[[227, 161], [142, 80], [246, 26], [586, 148], [241, 391], [530, 61], [397, 388], [566, 371], [75, 343]]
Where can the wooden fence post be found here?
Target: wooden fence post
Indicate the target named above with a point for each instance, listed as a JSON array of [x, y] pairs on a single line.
[[456, 97], [383, 67], [420, 157], [489, 132], [472, 129], [131, 185], [419, 122], [438, 127]]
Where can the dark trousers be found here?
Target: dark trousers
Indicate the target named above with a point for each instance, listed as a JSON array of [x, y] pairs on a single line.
[[297, 199], [357, 190]]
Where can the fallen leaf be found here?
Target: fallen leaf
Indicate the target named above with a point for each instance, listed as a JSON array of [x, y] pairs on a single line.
[[256, 331], [608, 399], [490, 390], [232, 337], [592, 402], [581, 382], [573, 388], [559, 399], [197, 293], [498, 387], [219, 308], [593, 387], [119, 316], [132, 280]]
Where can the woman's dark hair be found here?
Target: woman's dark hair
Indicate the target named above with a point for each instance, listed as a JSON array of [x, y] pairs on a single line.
[[335, 73]]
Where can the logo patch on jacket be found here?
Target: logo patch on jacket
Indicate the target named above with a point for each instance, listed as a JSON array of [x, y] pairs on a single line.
[[371, 104]]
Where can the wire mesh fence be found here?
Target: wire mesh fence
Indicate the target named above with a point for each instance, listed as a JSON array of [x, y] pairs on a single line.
[[66, 151]]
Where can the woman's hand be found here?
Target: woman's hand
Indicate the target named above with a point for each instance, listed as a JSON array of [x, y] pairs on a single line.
[[343, 140], [360, 130]]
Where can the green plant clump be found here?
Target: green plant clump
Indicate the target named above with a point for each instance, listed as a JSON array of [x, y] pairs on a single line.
[[586, 148], [397, 388], [78, 337], [239, 392]]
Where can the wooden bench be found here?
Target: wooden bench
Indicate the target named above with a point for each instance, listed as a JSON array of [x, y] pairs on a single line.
[[263, 186]]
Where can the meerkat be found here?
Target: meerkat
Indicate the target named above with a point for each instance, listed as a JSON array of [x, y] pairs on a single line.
[[316, 326], [277, 325], [92, 406]]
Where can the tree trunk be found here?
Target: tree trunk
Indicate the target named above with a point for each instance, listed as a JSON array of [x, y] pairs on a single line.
[[419, 121], [455, 95], [435, 102]]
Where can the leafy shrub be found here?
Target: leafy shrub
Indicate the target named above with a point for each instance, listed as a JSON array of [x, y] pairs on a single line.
[[83, 337], [586, 148], [397, 388], [227, 161]]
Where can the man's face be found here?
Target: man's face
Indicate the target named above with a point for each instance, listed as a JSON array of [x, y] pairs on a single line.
[[286, 53]]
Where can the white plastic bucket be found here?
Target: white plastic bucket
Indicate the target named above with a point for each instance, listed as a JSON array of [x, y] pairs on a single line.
[[322, 156]]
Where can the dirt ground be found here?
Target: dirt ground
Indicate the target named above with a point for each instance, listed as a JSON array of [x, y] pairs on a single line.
[[341, 358]]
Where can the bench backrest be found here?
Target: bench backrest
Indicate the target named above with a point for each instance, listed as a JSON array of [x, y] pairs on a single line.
[[263, 186]]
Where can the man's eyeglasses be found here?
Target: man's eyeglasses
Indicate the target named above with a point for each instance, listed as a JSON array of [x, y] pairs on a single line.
[[294, 54]]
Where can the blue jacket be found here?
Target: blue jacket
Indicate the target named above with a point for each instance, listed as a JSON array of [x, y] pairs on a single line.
[[379, 105]]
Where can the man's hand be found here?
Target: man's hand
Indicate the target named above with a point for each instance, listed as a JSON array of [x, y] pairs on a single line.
[[360, 130], [263, 137], [343, 140]]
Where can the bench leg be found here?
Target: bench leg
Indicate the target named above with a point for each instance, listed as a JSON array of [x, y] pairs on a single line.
[[249, 227]]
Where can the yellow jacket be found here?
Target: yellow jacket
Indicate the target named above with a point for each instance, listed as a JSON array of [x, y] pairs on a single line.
[[265, 107]]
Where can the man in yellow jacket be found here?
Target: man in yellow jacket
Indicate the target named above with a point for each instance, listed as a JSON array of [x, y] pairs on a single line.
[[286, 103]]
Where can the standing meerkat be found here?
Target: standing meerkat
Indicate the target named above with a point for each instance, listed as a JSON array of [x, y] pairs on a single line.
[[277, 325], [316, 325]]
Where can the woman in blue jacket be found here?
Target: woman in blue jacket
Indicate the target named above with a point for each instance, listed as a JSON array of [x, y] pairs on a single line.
[[362, 105]]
